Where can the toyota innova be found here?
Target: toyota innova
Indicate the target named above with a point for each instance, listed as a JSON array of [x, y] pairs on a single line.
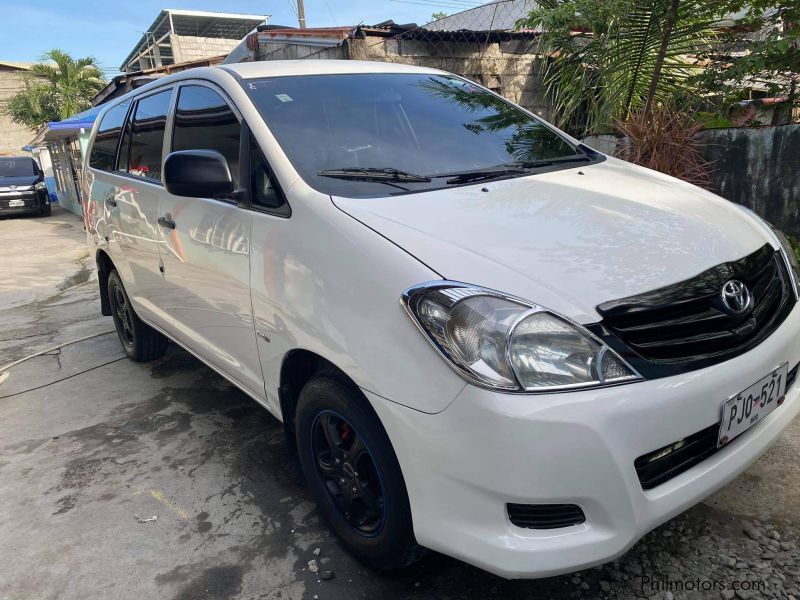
[[482, 336]]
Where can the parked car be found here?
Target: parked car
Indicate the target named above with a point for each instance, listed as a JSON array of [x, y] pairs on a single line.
[[22, 187], [482, 336]]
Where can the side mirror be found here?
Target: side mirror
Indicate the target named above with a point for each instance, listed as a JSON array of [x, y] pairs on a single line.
[[197, 174]]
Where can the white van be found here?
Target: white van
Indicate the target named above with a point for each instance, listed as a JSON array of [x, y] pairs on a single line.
[[482, 336]]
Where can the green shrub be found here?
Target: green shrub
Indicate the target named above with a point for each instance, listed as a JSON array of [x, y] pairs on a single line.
[[795, 245]]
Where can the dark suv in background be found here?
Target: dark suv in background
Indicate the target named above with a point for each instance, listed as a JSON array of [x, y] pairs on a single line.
[[22, 187]]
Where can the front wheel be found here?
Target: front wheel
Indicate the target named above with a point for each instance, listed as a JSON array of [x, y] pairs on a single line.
[[354, 475], [140, 341]]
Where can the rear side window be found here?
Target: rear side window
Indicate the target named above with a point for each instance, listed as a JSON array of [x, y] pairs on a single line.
[[104, 150], [147, 135], [204, 121]]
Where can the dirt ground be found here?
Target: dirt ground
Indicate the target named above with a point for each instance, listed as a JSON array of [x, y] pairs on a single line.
[[161, 480]]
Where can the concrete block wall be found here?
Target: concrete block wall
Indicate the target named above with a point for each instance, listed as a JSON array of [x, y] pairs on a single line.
[[186, 47], [12, 135], [284, 51], [504, 67]]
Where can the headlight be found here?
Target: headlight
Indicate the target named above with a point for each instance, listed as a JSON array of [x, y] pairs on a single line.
[[40, 185], [506, 343]]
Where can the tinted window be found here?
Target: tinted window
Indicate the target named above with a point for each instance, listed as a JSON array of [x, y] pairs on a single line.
[[425, 124], [147, 135], [104, 149], [204, 121], [18, 167]]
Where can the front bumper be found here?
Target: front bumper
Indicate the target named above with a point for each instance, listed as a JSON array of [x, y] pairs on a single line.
[[32, 201], [462, 465]]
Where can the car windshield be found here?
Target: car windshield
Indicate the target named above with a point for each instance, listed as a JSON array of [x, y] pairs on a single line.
[[374, 134], [17, 167]]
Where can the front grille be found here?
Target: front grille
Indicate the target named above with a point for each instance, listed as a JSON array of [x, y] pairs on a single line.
[[685, 326], [659, 466], [545, 516], [18, 196]]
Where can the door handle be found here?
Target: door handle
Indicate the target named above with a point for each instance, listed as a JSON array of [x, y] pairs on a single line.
[[110, 202], [165, 222]]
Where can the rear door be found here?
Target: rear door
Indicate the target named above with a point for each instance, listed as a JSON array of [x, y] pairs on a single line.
[[101, 180], [136, 196], [205, 246]]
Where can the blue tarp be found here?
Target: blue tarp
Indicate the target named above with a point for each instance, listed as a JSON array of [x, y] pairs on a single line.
[[83, 119]]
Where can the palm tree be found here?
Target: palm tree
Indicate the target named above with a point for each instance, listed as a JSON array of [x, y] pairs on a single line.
[[74, 81], [603, 61]]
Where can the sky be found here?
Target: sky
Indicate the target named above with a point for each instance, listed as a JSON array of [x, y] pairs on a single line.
[[109, 30]]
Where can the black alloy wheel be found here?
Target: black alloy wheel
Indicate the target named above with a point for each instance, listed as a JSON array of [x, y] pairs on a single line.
[[353, 473], [349, 473], [122, 309], [140, 341]]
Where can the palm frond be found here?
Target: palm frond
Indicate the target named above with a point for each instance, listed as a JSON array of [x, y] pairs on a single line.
[[603, 73]]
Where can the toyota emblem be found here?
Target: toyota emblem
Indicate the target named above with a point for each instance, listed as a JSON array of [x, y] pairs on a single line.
[[736, 297]]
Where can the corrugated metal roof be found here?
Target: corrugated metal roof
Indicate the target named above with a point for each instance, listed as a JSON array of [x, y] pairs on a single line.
[[502, 15], [339, 33]]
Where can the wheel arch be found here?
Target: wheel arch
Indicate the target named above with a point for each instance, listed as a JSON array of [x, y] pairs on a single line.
[[299, 366], [104, 266]]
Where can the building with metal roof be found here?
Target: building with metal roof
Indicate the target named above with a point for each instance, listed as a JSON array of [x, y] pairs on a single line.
[[177, 36]]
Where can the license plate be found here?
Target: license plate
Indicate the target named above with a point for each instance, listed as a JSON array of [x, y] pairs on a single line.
[[15, 203], [749, 406]]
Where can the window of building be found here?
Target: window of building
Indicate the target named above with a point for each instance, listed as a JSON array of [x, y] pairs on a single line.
[[147, 136], [104, 150], [204, 121]]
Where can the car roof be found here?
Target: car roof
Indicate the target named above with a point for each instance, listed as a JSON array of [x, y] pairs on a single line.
[[280, 68]]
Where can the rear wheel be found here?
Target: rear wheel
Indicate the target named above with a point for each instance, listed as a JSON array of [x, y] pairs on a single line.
[[354, 475], [140, 341]]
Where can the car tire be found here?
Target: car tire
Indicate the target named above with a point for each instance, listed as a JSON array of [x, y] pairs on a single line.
[[383, 541], [46, 210], [140, 341]]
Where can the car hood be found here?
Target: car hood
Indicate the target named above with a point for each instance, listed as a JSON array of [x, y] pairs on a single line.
[[567, 240], [24, 181]]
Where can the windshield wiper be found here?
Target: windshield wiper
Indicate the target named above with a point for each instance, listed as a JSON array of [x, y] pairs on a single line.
[[481, 174], [374, 174]]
